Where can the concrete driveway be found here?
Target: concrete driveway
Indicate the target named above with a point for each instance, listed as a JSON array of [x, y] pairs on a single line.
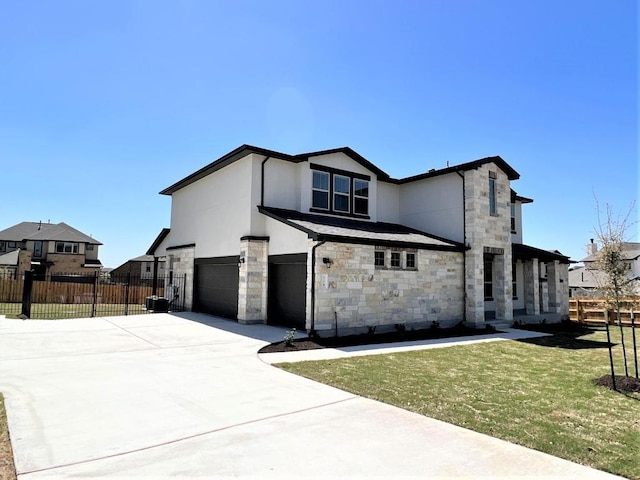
[[186, 396]]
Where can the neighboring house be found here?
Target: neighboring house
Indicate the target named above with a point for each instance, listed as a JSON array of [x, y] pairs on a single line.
[[327, 241], [47, 248], [140, 266], [585, 281]]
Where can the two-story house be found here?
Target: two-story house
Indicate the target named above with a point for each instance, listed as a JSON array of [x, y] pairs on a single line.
[[47, 248], [327, 241], [142, 266], [588, 280]]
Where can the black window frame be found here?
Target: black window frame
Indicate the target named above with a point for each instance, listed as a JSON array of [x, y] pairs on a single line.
[[488, 278], [352, 177], [493, 194], [413, 256], [74, 246], [395, 261], [376, 257]]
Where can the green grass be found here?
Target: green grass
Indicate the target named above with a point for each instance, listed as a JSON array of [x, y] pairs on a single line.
[[7, 468], [51, 311], [537, 393]]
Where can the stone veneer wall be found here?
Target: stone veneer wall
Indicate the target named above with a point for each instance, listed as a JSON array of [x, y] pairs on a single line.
[[253, 278], [357, 295], [181, 262], [485, 230], [558, 284]]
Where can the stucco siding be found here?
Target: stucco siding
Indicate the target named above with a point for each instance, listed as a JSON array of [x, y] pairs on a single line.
[[215, 211], [284, 239], [282, 184], [388, 202], [434, 205]]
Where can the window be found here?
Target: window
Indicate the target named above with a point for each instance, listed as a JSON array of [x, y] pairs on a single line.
[[379, 258], [411, 260], [360, 196], [89, 247], [488, 278], [513, 218], [514, 283], [395, 259], [341, 193], [492, 196], [37, 248], [66, 247], [148, 267], [320, 190], [12, 244], [3, 246]]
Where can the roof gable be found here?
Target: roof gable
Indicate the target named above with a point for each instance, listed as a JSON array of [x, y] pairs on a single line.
[[245, 150]]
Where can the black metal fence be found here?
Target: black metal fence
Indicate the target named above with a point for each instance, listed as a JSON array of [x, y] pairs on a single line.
[[69, 295]]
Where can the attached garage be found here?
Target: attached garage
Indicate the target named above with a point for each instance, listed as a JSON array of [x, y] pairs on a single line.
[[216, 286], [287, 302]]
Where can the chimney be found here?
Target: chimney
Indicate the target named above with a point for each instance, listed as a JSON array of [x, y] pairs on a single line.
[[592, 248]]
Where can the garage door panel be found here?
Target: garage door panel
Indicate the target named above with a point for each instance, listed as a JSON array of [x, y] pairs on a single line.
[[288, 291], [216, 287]]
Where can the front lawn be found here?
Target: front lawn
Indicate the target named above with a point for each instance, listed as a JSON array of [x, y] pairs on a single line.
[[537, 393], [52, 311]]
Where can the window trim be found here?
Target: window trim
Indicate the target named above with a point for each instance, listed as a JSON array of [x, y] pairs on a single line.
[[352, 177], [336, 193], [74, 246], [488, 260], [375, 258]]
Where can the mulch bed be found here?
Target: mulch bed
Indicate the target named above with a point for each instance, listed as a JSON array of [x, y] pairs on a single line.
[[623, 384], [374, 339]]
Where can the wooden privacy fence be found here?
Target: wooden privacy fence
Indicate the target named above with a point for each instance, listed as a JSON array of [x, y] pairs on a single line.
[[595, 311], [65, 292]]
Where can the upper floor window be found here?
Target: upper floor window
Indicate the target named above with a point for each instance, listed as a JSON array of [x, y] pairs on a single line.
[[320, 190], [67, 247], [513, 217], [3, 246], [360, 196], [339, 192], [37, 248], [492, 194], [89, 247]]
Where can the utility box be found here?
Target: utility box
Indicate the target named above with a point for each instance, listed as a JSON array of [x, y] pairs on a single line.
[[157, 304]]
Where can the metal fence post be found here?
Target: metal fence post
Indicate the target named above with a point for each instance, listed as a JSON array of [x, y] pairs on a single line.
[[126, 294], [95, 294], [26, 293]]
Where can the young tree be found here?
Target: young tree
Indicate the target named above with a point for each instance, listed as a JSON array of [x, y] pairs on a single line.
[[614, 282]]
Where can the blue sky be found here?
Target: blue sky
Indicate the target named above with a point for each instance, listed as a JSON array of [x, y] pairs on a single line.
[[103, 104]]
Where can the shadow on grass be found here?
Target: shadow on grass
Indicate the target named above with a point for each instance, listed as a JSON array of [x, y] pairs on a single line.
[[564, 335]]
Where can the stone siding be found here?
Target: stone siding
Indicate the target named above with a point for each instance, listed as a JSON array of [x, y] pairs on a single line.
[[486, 230], [181, 262], [253, 278], [354, 295]]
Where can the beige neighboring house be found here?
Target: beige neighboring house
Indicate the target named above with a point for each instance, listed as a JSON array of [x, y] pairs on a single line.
[[142, 266], [585, 280], [326, 241], [47, 248]]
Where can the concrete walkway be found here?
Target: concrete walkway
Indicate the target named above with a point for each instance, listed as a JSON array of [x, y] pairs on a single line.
[[186, 396]]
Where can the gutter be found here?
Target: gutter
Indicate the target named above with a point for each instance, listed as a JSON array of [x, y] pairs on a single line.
[[262, 180], [313, 284], [464, 241]]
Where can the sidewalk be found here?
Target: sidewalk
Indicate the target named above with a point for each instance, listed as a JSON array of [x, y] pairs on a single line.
[[383, 348]]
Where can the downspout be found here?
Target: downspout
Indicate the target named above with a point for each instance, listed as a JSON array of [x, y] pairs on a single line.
[[464, 253], [313, 284], [262, 181]]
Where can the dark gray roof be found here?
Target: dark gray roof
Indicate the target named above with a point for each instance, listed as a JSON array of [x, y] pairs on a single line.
[[525, 252], [245, 150], [45, 231], [347, 230], [156, 243]]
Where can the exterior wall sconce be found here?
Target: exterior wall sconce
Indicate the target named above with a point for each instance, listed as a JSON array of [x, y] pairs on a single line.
[[327, 262], [241, 260]]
